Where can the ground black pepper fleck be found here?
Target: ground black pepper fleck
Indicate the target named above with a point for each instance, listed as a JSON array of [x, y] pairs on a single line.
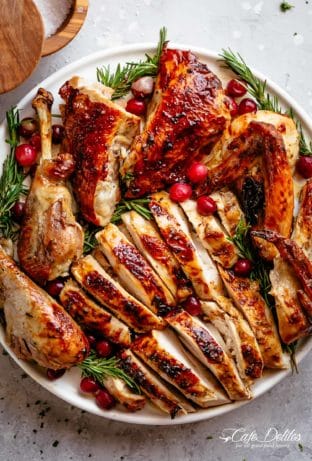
[[55, 443]]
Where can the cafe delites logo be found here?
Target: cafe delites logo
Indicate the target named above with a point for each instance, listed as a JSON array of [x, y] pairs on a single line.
[[269, 438]]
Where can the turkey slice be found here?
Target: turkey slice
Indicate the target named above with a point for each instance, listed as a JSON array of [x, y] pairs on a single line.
[[206, 345], [163, 352], [96, 281]]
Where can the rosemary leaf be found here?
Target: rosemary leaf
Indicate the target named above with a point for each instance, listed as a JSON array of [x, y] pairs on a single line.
[[291, 350], [261, 269], [260, 272], [89, 238], [257, 89], [123, 77], [101, 368], [12, 179], [140, 205]]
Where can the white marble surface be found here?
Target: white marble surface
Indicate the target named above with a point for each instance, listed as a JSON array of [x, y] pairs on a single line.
[[31, 420]]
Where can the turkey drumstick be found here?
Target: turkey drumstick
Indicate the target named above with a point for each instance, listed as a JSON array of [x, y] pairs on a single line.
[[50, 238]]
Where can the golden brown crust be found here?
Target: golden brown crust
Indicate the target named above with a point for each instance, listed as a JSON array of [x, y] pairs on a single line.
[[200, 341], [246, 296], [92, 316], [108, 292], [37, 327], [134, 271], [92, 125]]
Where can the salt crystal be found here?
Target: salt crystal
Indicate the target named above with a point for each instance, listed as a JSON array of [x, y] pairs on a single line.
[[54, 13]]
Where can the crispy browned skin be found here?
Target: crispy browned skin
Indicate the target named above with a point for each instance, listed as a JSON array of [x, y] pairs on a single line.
[[153, 387], [164, 354], [302, 234], [187, 112], [153, 247], [294, 255], [246, 296], [198, 338], [50, 238], [92, 316], [134, 271], [107, 291], [37, 327], [92, 124], [292, 321], [260, 139]]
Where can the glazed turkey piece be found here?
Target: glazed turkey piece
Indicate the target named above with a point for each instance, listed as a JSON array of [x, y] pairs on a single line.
[[187, 112], [50, 238], [97, 133]]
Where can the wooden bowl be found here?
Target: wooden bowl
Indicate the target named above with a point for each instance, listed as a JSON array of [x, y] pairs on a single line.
[[68, 30]]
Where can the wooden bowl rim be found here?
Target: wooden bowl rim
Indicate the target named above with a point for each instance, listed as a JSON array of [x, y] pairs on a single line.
[[53, 43]]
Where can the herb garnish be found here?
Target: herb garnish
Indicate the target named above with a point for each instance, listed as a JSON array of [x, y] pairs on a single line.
[[123, 77], [261, 269], [257, 89], [285, 6], [89, 238], [291, 350], [140, 205], [101, 368], [12, 179], [260, 272]]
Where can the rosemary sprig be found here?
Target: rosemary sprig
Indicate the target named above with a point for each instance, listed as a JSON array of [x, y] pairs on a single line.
[[140, 205], [261, 269], [257, 89], [12, 178], [260, 272], [89, 238], [291, 350], [101, 368], [123, 77]]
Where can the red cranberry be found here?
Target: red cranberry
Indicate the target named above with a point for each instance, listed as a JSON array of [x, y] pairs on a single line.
[[143, 87], [180, 192], [92, 341], [136, 106], [35, 141], [247, 105], [25, 155], [304, 166], [58, 132], [235, 88], [54, 287], [17, 211], [192, 305], [232, 105], [197, 172], [206, 205], [243, 267], [27, 127], [104, 400], [52, 375], [103, 348], [89, 385]]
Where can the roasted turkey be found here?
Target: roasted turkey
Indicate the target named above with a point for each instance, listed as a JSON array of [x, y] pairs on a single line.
[[37, 327], [187, 112], [50, 238], [97, 132]]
